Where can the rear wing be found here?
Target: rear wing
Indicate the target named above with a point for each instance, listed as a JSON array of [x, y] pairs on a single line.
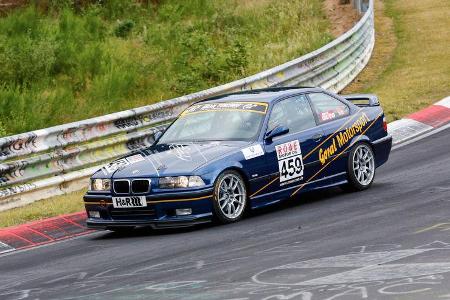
[[362, 100]]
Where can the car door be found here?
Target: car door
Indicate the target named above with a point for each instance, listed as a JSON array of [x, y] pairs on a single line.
[[292, 157], [334, 118]]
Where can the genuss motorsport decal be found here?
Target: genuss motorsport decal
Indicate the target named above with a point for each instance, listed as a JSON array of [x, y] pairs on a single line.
[[338, 154], [253, 151], [255, 107], [341, 139], [120, 163], [290, 162]]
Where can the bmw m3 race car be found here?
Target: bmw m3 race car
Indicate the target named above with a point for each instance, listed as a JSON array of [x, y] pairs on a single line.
[[241, 151]]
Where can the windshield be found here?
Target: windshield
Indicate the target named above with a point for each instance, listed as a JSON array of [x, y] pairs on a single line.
[[218, 121]]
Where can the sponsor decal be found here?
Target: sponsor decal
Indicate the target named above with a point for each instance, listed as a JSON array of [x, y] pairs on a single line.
[[181, 152], [290, 162], [328, 115], [342, 138], [255, 107], [252, 151], [133, 201], [121, 163], [332, 114], [135, 158]]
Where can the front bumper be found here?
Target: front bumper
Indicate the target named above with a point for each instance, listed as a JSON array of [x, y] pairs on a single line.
[[159, 213]]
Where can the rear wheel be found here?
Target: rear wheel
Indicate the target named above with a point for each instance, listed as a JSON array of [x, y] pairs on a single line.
[[360, 168], [230, 197]]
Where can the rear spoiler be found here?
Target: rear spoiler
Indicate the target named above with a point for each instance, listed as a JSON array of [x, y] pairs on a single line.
[[362, 99]]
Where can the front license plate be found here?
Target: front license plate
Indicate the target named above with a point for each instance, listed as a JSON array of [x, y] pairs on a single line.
[[131, 201]]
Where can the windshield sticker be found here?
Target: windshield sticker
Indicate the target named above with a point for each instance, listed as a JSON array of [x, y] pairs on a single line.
[[252, 151], [290, 162], [255, 107]]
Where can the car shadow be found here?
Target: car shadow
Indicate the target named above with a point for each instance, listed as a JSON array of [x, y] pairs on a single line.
[[146, 231], [304, 199], [314, 197]]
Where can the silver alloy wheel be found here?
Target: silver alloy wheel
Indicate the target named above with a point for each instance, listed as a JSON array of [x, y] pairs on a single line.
[[363, 164], [231, 196]]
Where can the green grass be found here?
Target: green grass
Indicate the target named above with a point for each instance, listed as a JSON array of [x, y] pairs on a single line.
[[47, 208], [60, 63], [417, 72]]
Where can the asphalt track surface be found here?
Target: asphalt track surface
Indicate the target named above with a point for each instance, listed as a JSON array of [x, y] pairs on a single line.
[[390, 242]]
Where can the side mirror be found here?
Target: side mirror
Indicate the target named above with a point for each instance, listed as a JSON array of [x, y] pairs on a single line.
[[277, 131]]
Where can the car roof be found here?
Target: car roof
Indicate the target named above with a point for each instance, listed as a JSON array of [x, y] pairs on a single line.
[[261, 95]]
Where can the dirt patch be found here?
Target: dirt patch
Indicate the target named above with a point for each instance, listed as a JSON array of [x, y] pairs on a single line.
[[11, 3], [385, 43], [6, 5], [342, 16]]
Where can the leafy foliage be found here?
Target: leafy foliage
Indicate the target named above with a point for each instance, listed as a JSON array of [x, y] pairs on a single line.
[[62, 61]]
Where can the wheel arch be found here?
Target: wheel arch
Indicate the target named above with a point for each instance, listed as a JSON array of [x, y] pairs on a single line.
[[241, 172], [358, 140]]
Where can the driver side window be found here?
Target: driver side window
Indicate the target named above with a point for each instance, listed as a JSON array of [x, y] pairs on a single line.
[[295, 113]]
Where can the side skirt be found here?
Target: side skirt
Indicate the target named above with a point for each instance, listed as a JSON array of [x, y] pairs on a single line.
[[282, 194]]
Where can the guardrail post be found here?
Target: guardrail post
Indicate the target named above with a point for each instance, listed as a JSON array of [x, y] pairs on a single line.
[[357, 5], [361, 5]]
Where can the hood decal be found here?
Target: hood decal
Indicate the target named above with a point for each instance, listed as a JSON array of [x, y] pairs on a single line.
[[171, 159], [122, 163]]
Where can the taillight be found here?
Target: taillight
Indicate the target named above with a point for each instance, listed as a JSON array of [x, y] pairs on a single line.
[[384, 124]]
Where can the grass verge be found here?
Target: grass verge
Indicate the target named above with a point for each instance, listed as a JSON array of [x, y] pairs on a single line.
[[417, 74], [54, 206]]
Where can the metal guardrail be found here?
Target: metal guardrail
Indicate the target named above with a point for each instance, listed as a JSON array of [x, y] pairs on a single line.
[[56, 160]]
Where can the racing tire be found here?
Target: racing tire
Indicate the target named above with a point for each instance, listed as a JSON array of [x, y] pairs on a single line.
[[229, 198], [360, 168]]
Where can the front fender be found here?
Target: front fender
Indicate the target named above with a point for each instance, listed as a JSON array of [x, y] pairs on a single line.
[[215, 171]]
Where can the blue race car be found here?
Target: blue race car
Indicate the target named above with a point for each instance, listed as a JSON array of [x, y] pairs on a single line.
[[242, 151]]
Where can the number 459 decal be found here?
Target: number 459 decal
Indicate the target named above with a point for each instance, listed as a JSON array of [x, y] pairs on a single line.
[[290, 161]]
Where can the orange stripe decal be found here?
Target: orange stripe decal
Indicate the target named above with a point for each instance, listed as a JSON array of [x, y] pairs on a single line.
[[160, 201], [335, 157], [312, 151], [332, 135], [180, 200], [272, 181]]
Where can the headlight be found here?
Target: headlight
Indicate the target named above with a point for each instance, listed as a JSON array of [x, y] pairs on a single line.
[[100, 185], [180, 182]]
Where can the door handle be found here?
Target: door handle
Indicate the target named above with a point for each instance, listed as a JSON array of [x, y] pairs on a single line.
[[317, 137]]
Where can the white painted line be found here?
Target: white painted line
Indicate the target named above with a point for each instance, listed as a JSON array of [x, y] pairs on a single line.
[[444, 102], [354, 259], [4, 248], [16, 251], [352, 268], [405, 129], [437, 130], [384, 272]]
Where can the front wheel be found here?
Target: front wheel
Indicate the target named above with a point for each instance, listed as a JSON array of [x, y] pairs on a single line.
[[360, 168], [230, 197]]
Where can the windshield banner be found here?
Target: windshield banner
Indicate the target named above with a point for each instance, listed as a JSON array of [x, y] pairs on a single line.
[[255, 107]]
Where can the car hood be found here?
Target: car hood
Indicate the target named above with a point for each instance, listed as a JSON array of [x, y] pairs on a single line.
[[169, 159]]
